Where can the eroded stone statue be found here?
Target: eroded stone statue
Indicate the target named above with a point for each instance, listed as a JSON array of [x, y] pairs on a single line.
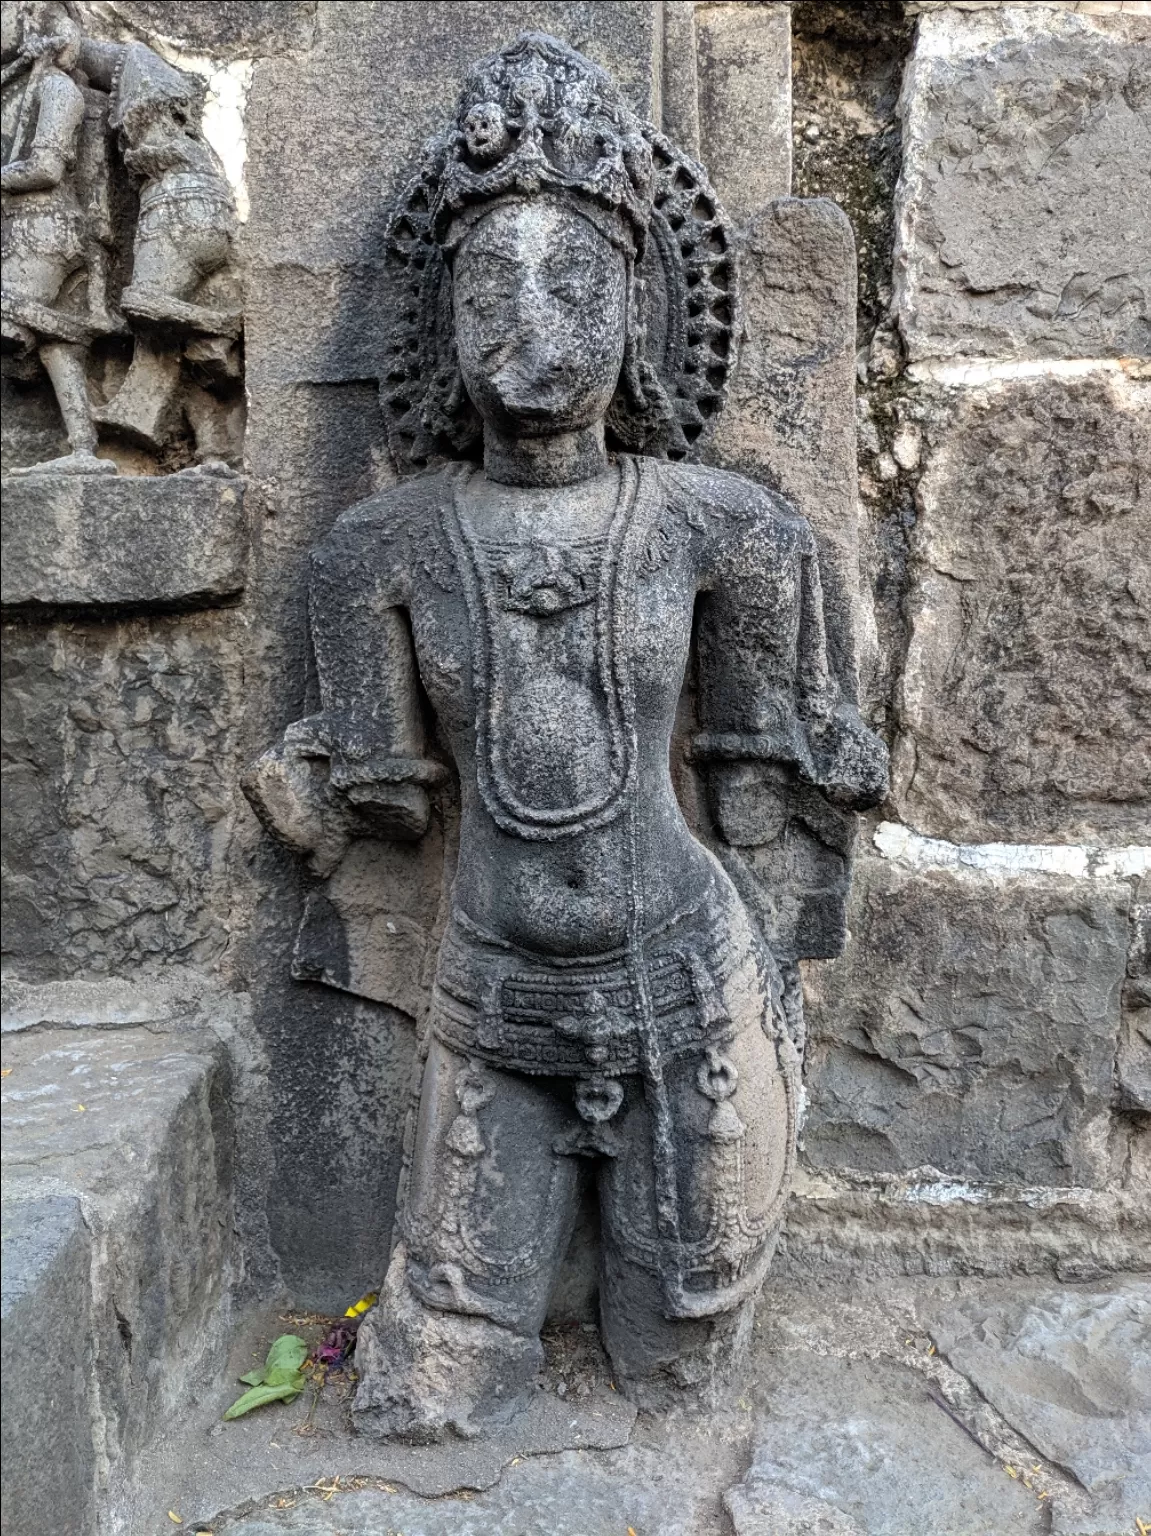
[[604, 1006], [96, 121]]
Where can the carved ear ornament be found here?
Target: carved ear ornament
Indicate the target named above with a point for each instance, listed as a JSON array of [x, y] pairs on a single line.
[[539, 119]]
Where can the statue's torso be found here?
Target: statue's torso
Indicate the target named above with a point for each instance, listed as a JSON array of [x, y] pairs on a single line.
[[545, 657]]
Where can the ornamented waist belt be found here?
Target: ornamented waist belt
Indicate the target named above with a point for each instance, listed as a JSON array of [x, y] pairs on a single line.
[[583, 1017], [183, 186]]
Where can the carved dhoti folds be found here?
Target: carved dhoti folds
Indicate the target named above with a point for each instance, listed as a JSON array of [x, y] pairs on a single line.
[[674, 1090]]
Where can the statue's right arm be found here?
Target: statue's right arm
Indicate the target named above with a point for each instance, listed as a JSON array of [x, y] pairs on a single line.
[[359, 766]]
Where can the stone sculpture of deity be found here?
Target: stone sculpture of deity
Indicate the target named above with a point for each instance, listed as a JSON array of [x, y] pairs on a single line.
[[604, 1006]]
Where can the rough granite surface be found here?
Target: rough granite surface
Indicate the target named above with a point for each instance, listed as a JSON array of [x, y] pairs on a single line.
[[119, 792], [1025, 705], [1020, 232], [951, 995]]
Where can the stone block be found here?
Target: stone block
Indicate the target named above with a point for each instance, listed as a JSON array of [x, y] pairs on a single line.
[[1026, 133], [1071, 1371], [789, 420], [922, 1223], [1026, 705], [223, 28], [49, 1482], [744, 54], [121, 743], [970, 1028], [123, 542], [136, 1127]]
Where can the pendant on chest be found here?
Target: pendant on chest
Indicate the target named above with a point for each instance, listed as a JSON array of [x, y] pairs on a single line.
[[546, 579]]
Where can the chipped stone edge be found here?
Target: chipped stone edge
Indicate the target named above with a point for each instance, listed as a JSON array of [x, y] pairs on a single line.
[[980, 372], [929, 1187]]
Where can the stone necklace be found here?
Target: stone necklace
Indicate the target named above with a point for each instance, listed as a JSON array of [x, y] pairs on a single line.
[[542, 580]]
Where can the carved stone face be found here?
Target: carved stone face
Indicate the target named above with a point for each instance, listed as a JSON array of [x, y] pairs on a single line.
[[540, 310]]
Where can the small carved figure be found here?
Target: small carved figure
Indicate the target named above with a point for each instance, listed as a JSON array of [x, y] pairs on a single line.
[[183, 239], [89, 110], [56, 223], [604, 1006]]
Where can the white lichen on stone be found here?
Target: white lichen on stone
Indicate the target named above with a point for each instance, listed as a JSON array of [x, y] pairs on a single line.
[[1078, 860], [982, 371]]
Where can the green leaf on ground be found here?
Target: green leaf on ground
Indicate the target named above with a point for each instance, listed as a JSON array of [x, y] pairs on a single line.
[[279, 1379], [256, 1397]]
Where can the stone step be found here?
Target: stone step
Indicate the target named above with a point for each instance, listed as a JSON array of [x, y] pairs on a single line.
[[118, 1233]]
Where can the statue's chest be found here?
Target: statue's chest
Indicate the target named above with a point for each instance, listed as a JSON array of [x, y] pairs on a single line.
[[552, 655]]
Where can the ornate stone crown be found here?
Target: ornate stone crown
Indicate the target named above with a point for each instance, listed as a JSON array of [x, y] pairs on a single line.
[[539, 118]]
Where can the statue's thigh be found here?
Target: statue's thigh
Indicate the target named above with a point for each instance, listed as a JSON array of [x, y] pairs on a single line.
[[488, 1195], [732, 1147], [37, 272], [734, 1111]]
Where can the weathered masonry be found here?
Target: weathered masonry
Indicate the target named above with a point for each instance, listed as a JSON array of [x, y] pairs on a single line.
[[932, 323]]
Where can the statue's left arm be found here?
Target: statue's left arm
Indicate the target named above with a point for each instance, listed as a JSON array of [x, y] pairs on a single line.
[[767, 691]]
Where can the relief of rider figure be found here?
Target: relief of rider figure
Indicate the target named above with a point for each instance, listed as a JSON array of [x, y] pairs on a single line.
[[88, 110], [604, 1007], [57, 220]]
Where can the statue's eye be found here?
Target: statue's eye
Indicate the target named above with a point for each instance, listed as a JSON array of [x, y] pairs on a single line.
[[567, 292]]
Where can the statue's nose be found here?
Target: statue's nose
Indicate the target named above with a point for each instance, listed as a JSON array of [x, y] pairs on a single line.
[[535, 354]]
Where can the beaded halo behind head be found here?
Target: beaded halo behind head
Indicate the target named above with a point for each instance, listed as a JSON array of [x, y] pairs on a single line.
[[539, 119]]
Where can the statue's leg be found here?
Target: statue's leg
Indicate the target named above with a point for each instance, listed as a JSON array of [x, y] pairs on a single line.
[[65, 366], [454, 1341], [677, 1317], [34, 274]]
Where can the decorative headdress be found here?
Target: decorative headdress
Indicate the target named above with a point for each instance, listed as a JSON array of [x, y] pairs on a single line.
[[145, 85], [539, 118]]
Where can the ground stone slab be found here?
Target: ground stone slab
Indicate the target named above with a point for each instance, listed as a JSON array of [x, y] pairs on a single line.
[[867, 1440], [839, 1431], [1020, 126], [1071, 1371]]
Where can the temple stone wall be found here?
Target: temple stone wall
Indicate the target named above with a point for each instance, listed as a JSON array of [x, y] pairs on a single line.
[[1004, 412], [979, 1073]]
